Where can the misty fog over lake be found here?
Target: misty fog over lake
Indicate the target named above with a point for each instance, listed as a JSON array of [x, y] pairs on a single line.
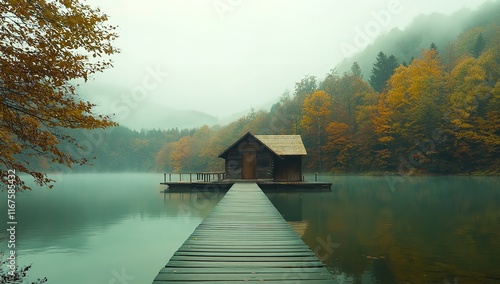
[[93, 228]]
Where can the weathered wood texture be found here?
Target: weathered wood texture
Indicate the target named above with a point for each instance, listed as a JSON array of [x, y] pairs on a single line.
[[249, 159], [244, 239], [289, 168], [265, 164], [249, 166]]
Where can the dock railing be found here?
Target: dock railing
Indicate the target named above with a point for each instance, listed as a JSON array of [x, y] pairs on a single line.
[[200, 176]]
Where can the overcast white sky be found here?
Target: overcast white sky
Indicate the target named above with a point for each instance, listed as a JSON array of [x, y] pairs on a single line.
[[225, 56]]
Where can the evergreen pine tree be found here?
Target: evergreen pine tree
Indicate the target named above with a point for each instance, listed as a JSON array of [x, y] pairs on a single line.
[[433, 46], [382, 70], [356, 70], [478, 46]]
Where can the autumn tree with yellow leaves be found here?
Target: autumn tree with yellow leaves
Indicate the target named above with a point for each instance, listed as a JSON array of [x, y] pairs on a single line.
[[46, 47], [338, 144], [315, 117], [439, 114], [315, 111], [348, 95], [412, 109], [474, 108]]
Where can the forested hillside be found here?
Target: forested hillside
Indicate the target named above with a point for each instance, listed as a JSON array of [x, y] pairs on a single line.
[[436, 28], [115, 149], [437, 113]]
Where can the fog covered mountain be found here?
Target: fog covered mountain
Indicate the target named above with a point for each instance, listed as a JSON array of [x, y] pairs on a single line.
[[420, 34]]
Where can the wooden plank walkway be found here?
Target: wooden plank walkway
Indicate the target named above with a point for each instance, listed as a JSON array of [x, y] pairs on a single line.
[[244, 239]]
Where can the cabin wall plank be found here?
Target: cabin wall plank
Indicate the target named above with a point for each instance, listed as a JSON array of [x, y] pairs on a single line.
[[267, 165]]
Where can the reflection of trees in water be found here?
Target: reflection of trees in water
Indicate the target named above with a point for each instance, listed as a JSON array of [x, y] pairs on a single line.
[[428, 230], [288, 204], [300, 227], [290, 207], [193, 196], [61, 217]]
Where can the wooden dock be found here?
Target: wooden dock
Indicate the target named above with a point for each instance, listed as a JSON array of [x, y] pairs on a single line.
[[244, 239], [217, 181]]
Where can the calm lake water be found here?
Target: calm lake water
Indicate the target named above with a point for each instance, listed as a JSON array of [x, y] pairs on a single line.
[[119, 228]]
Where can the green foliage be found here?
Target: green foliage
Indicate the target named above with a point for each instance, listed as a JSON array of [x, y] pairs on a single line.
[[382, 70], [305, 87], [435, 28], [478, 46], [356, 70]]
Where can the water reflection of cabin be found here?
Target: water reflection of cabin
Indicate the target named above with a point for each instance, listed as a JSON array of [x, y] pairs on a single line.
[[265, 157]]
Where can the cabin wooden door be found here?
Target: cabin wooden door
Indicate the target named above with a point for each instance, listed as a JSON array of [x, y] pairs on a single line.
[[249, 165]]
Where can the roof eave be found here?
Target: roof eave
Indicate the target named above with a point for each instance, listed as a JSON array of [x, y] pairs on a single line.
[[223, 153]]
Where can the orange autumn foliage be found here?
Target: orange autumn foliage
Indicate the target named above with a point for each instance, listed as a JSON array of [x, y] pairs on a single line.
[[338, 144], [45, 47], [411, 108], [316, 109]]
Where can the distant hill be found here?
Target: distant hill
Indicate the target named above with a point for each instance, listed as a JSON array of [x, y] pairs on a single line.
[[153, 114], [161, 117], [426, 29], [142, 114], [157, 116]]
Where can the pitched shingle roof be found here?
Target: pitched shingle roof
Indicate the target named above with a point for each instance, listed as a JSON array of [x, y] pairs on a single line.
[[280, 145], [283, 145]]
